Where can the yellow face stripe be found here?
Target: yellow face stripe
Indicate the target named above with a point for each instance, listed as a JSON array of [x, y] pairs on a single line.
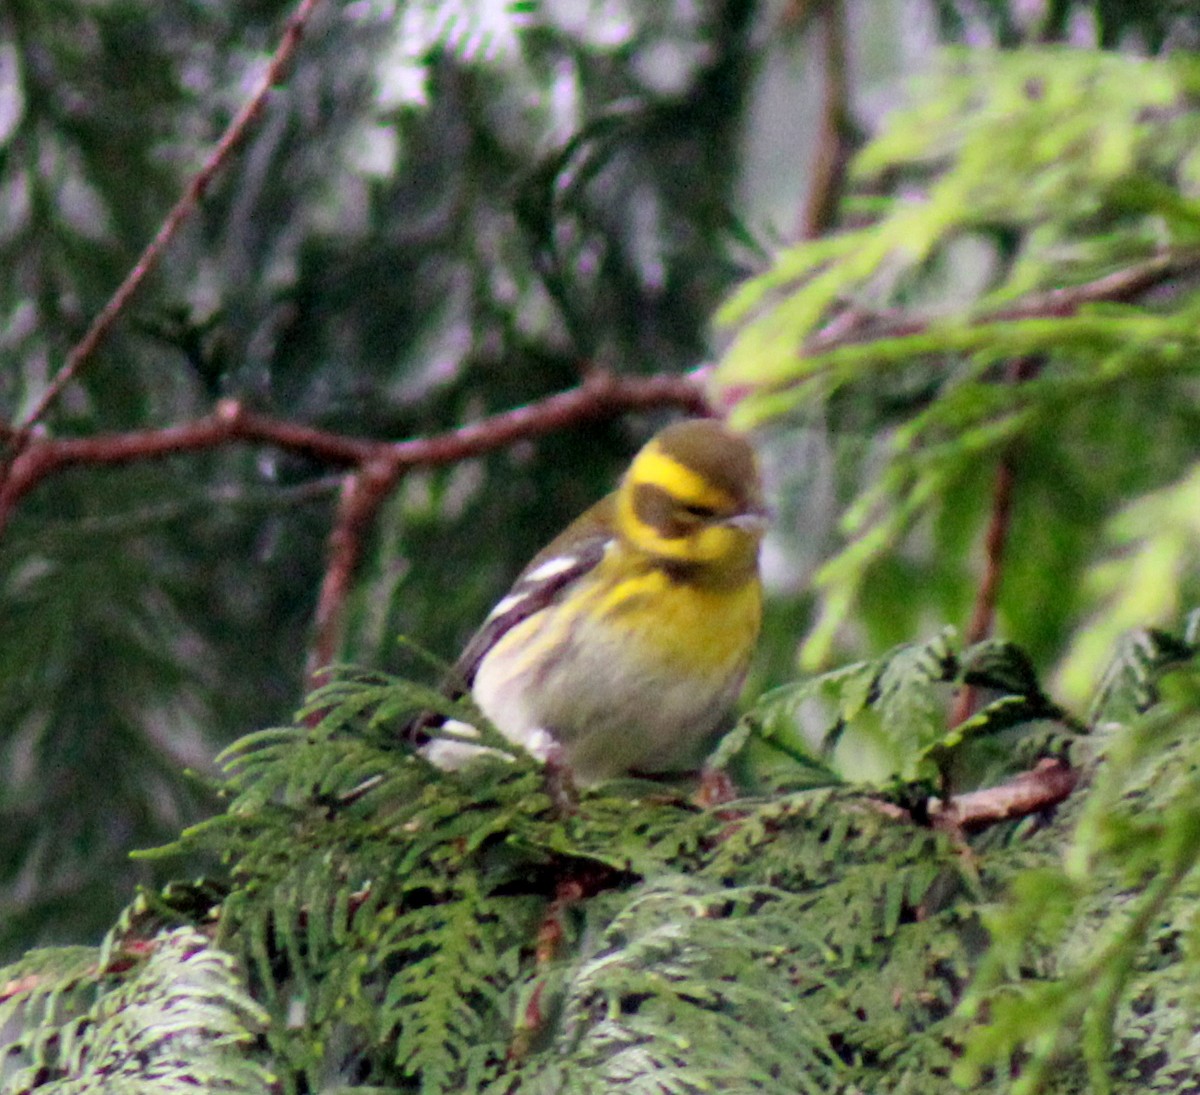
[[655, 467]]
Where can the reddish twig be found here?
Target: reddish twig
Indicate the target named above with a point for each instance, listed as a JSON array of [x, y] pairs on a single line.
[[1041, 788], [42, 457], [600, 397], [377, 465], [235, 133], [1120, 285], [831, 154], [983, 612], [856, 327], [362, 495], [548, 946], [796, 14]]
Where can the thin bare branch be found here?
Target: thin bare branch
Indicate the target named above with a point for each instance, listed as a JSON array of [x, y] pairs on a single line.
[[995, 539], [831, 152], [983, 613], [855, 327], [376, 465], [1030, 793], [1041, 788], [601, 396], [44, 456], [362, 494], [235, 133]]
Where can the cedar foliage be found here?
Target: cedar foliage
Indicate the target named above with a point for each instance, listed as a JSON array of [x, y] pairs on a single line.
[[376, 924]]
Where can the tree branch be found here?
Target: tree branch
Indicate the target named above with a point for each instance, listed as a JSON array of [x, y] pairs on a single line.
[[831, 153], [854, 327], [362, 495], [1044, 786], [983, 613], [377, 465], [235, 133], [44, 456], [1039, 789], [599, 397]]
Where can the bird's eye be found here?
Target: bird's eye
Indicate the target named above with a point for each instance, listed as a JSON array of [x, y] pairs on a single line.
[[703, 512]]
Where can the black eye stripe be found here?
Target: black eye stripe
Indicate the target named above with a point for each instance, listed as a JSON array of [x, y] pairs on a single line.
[[655, 507], [667, 515]]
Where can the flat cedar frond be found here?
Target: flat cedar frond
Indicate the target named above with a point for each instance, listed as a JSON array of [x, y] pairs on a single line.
[[180, 1021], [685, 990], [885, 719], [42, 993], [1130, 684]]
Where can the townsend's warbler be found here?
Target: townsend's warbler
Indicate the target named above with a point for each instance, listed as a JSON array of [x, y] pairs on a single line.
[[623, 644]]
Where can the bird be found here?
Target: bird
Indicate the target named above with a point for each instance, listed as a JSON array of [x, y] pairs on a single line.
[[622, 646]]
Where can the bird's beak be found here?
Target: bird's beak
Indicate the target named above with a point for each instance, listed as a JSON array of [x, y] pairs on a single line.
[[755, 520]]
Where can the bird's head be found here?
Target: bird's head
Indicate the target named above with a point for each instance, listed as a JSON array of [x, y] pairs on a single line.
[[693, 497]]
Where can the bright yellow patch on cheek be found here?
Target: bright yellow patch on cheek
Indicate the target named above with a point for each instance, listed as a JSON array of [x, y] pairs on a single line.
[[720, 542]]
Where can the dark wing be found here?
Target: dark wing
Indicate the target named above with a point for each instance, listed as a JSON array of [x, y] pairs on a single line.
[[575, 551], [578, 549], [537, 587]]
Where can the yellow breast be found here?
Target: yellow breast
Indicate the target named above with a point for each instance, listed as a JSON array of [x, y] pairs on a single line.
[[693, 629]]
